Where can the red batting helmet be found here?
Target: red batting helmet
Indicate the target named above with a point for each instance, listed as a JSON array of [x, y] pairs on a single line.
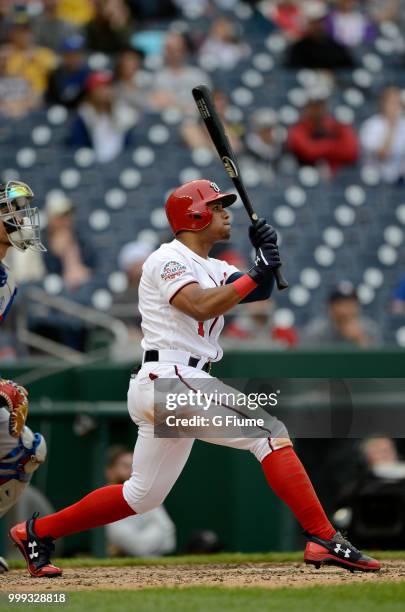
[[186, 207]]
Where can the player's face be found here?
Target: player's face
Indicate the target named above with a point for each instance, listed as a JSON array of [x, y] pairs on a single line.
[[220, 226], [4, 239]]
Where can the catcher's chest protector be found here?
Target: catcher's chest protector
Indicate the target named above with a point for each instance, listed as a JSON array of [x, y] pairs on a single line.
[[8, 290]]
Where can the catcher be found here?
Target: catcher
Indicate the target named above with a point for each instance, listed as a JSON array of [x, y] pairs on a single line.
[[21, 451]]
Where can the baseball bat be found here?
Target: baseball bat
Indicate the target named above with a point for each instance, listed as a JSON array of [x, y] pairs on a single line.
[[213, 123]]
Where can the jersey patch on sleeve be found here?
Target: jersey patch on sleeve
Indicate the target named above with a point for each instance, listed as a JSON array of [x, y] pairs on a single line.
[[172, 270]]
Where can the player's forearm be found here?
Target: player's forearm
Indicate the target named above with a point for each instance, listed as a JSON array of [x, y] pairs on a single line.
[[261, 292], [216, 302], [205, 304]]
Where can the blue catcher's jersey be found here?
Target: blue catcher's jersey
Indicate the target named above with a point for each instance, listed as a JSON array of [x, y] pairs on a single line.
[[8, 290]]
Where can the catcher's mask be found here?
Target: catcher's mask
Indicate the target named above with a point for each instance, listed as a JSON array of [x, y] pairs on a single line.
[[21, 220]]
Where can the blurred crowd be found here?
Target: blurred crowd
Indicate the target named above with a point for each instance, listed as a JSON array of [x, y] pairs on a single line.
[[48, 55], [93, 57]]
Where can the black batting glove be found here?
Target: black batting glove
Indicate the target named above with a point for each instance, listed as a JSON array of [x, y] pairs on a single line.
[[267, 260], [262, 233]]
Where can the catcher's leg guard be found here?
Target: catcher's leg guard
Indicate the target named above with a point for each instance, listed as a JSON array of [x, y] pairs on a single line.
[[18, 465]]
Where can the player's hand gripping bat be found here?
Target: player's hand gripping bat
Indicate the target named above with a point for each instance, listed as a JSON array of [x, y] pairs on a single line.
[[205, 105]]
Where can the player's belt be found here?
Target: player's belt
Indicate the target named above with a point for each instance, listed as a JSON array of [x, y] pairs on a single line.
[[175, 357]]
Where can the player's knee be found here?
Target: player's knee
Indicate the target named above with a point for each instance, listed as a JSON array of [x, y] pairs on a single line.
[[277, 443], [139, 498], [261, 447]]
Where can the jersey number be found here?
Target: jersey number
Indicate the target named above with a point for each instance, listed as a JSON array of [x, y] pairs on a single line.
[[201, 329]]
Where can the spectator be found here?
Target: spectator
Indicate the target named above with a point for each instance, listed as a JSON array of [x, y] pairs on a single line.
[[265, 139], [130, 261], [76, 12], [144, 10], [26, 59], [348, 25], [382, 137], [255, 326], [110, 29], [49, 30], [5, 6], [101, 122], [344, 325], [223, 47], [66, 83], [16, 95], [380, 484], [69, 254], [195, 134], [316, 49], [398, 304], [152, 534], [286, 15], [128, 86], [174, 82], [381, 458], [71, 257], [386, 10], [319, 138]]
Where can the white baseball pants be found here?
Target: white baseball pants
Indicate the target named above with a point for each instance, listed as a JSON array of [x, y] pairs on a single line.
[[158, 462]]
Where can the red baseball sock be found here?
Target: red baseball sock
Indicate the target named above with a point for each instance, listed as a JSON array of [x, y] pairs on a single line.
[[99, 507], [287, 477]]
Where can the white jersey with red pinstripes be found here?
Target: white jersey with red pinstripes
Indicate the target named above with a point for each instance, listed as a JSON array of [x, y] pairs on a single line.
[[164, 274]]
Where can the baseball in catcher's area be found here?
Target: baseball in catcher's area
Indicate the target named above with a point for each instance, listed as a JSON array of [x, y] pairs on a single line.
[[183, 295]]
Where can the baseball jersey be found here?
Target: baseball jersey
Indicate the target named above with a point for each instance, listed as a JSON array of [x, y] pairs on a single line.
[[8, 290], [164, 274]]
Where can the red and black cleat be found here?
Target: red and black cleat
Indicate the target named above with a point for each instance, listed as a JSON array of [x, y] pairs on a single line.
[[36, 550], [337, 551]]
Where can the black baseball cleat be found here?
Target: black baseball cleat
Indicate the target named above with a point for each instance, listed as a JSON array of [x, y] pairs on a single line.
[[337, 551], [36, 550]]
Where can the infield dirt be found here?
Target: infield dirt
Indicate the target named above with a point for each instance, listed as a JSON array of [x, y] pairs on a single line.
[[228, 575]]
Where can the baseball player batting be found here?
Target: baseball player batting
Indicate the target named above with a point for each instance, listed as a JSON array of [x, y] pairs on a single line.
[[183, 295], [21, 451]]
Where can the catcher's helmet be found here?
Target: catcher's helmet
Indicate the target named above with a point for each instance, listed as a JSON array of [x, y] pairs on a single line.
[[20, 219], [186, 207]]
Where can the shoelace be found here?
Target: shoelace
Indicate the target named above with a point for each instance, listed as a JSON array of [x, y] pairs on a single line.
[[342, 540], [45, 545], [45, 548]]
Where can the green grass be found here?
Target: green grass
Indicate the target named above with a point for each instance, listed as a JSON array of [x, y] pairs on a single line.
[[383, 597], [276, 557]]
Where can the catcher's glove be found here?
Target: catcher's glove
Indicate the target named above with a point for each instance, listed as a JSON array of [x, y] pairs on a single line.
[[15, 398]]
